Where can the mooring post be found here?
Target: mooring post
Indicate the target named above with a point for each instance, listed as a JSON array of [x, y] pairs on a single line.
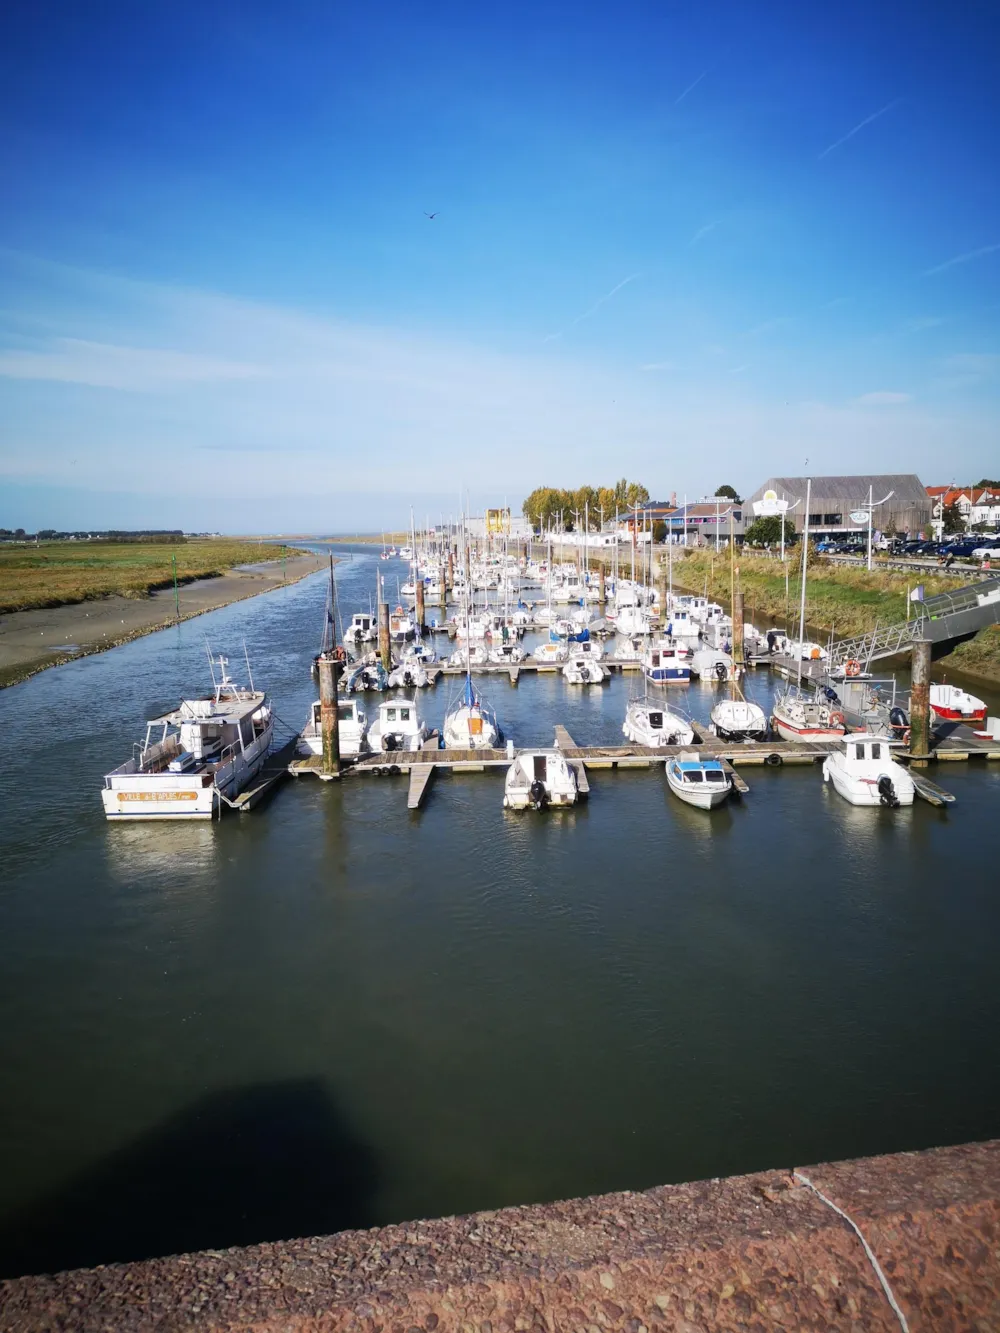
[[737, 611], [384, 642], [920, 701], [602, 584], [329, 670], [420, 601]]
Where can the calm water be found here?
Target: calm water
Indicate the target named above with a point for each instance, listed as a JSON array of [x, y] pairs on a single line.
[[335, 1013]]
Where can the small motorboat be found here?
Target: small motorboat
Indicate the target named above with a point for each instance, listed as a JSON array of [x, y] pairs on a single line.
[[368, 674], [539, 778], [466, 655], [739, 720], [665, 663], [584, 671], [352, 724], [401, 624], [631, 649], [955, 705], [712, 664], [703, 783], [362, 629], [864, 772], [408, 675], [551, 653], [419, 652], [649, 723], [398, 726], [506, 654], [802, 717]]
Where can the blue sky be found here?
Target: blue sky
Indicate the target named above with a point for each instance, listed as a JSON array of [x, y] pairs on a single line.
[[690, 244]]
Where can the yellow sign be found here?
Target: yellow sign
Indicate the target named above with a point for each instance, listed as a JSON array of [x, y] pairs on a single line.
[[498, 520], [770, 495], [157, 796]]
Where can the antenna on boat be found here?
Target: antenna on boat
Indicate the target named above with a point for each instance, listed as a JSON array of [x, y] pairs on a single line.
[[246, 658], [211, 665]]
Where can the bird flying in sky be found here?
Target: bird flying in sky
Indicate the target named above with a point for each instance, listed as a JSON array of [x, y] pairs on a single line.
[[431, 216]]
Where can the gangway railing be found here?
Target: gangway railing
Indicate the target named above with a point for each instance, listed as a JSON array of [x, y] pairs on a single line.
[[978, 605]]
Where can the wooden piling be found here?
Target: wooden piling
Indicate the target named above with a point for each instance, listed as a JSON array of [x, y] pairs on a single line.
[[421, 617], [329, 670], [384, 642], [920, 701]]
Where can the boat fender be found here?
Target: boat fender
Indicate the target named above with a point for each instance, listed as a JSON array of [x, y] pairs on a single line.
[[774, 760], [852, 667], [721, 670], [836, 719], [395, 769]]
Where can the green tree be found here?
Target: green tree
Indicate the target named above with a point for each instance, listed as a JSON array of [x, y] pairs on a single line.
[[729, 494], [986, 483], [951, 518], [764, 531], [659, 530]]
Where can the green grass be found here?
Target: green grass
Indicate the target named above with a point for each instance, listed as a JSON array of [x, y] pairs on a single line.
[[58, 573]]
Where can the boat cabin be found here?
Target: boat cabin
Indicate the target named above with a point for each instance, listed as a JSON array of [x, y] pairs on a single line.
[[400, 718]]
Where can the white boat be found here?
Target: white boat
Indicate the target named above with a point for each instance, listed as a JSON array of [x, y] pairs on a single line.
[[352, 724], [538, 778], [712, 664], [408, 675], [806, 717], [739, 720], [864, 772], [649, 723], [466, 655], [401, 624], [366, 674], [584, 671], [804, 650], [551, 652], [592, 648], [207, 746], [362, 629], [419, 652], [682, 625], [703, 783], [506, 654], [398, 726], [955, 705], [633, 620], [666, 663], [471, 724], [629, 650]]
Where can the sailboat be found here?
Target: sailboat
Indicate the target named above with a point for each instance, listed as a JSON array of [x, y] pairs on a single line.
[[796, 715], [471, 724], [736, 718]]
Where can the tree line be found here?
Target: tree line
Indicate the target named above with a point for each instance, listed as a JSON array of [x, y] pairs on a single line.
[[549, 506]]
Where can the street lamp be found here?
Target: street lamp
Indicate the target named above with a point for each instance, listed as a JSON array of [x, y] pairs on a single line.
[[870, 508]]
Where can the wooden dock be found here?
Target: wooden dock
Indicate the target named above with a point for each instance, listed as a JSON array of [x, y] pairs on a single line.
[[275, 771]]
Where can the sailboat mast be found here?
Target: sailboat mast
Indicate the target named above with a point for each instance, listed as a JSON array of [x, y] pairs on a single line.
[[802, 602]]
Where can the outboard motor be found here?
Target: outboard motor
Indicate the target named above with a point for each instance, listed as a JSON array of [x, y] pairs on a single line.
[[537, 793], [721, 671], [407, 677], [887, 793], [898, 722], [391, 741]]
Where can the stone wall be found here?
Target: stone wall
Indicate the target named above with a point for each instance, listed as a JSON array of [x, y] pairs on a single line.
[[747, 1253]]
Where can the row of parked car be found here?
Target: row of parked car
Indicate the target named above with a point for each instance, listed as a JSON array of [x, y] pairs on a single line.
[[969, 547]]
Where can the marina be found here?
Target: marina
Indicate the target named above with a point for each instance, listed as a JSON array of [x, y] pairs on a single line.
[[304, 961]]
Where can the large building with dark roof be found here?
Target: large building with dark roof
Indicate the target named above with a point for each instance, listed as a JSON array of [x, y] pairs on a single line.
[[833, 499]]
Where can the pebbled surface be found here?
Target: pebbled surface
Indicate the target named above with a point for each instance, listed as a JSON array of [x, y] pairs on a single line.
[[752, 1252]]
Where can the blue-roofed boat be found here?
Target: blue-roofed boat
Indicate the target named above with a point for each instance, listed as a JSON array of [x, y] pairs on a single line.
[[700, 782]]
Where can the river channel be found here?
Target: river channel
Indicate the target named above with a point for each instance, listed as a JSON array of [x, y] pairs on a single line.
[[332, 1012]]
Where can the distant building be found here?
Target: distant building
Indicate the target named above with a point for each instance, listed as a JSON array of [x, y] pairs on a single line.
[[976, 504], [498, 523], [834, 499]]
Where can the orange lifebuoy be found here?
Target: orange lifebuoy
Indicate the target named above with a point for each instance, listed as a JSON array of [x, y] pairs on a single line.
[[836, 719], [852, 668]]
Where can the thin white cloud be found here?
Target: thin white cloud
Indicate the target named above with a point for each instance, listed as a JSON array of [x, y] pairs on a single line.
[[860, 126], [967, 258], [966, 368], [658, 365], [702, 232], [738, 370], [107, 366], [606, 297], [882, 398], [923, 322], [769, 325], [690, 88]]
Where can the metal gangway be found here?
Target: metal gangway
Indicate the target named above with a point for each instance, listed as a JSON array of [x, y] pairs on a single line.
[[945, 617]]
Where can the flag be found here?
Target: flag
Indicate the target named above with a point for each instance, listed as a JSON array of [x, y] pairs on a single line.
[[917, 595]]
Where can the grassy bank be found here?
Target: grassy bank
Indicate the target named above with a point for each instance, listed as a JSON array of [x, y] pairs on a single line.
[[980, 656], [60, 573], [844, 600]]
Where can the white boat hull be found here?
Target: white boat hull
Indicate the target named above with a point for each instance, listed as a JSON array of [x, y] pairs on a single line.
[[703, 798], [864, 790]]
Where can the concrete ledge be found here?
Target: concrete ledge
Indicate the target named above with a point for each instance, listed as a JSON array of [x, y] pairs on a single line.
[[751, 1253]]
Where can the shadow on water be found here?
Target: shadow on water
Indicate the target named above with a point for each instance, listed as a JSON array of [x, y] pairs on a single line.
[[237, 1167]]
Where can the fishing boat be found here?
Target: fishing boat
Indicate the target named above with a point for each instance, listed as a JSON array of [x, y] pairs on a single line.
[[584, 671], [955, 705], [649, 723], [206, 748], [362, 629], [352, 725], [401, 624], [665, 663], [703, 783], [539, 778], [864, 772], [738, 720], [398, 726], [471, 724]]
